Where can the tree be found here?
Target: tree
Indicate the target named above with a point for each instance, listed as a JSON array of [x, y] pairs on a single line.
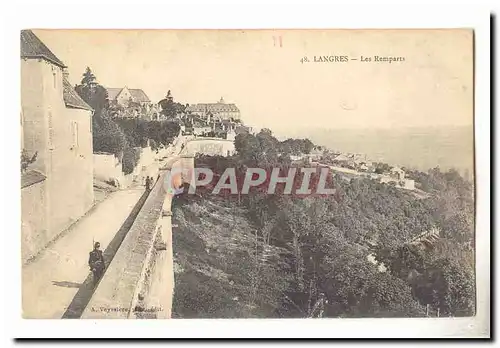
[[88, 78], [248, 148], [306, 146], [355, 287], [131, 157], [170, 109], [460, 227], [154, 145], [93, 93], [447, 285], [381, 168], [296, 146], [136, 130], [107, 136], [26, 160]]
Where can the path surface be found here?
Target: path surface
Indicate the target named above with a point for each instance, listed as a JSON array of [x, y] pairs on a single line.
[[50, 282]]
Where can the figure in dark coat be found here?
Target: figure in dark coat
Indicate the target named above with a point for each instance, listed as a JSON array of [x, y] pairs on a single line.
[[96, 262]]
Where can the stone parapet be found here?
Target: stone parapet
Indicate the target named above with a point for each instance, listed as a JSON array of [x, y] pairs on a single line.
[[120, 288], [140, 278]]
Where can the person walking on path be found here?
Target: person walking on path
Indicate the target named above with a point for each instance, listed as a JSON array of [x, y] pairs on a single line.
[[148, 184], [96, 262]]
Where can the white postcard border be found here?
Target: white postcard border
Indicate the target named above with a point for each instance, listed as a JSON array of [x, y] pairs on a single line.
[[140, 15]]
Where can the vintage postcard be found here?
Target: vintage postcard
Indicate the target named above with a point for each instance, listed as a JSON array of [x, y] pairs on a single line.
[[247, 174]]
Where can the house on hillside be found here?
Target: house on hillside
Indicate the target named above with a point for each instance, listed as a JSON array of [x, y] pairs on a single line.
[[230, 134], [201, 129], [363, 167], [341, 158], [397, 176], [344, 160], [397, 173], [56, 124], [315, 154], [124, 96], [132, 103], [220, 110]]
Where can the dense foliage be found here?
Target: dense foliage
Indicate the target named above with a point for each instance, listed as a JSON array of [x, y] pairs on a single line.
[[324, 241], [139, 131], [130, 159], [121, 136], [107, 136], [170, 108]]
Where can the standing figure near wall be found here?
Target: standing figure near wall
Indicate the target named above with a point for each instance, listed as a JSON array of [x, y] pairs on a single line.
[[96, 262]]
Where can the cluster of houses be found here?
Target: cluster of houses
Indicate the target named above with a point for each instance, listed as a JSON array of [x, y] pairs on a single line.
[[219, 120], [350, 166], [216, 120], [56, 133], [132, 103], [213, 127]]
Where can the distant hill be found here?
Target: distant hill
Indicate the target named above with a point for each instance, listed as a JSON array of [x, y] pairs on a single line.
[[418, 148]]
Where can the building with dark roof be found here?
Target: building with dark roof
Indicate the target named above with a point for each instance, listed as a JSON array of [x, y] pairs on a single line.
[[132, 103], [33, 47], [56, 134], [72, 99], [123, 96], [220, 110]]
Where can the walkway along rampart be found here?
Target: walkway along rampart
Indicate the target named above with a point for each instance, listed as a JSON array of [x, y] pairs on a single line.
[[139, 281]]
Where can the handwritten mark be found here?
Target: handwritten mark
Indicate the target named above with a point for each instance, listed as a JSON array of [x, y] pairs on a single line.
[[348, 106], [278, 40]]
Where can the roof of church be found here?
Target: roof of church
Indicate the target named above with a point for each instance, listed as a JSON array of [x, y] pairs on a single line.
[[33, 47], [72, 99], [113, 92], [137, 94], [212, 107]]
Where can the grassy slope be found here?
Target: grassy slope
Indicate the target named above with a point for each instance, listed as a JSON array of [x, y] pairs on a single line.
[[215, 266]]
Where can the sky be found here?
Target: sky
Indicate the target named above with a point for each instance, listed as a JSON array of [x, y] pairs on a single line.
[[270, 85]]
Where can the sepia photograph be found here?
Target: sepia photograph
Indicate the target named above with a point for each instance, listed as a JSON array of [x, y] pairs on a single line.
[[247, 174], [326, 180]]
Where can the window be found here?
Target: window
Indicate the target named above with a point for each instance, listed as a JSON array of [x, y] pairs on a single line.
[[55, 79], [74, 133]]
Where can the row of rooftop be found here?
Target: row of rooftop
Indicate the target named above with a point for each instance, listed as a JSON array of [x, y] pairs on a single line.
[[135, 103], [33, 47], [356, 165]]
